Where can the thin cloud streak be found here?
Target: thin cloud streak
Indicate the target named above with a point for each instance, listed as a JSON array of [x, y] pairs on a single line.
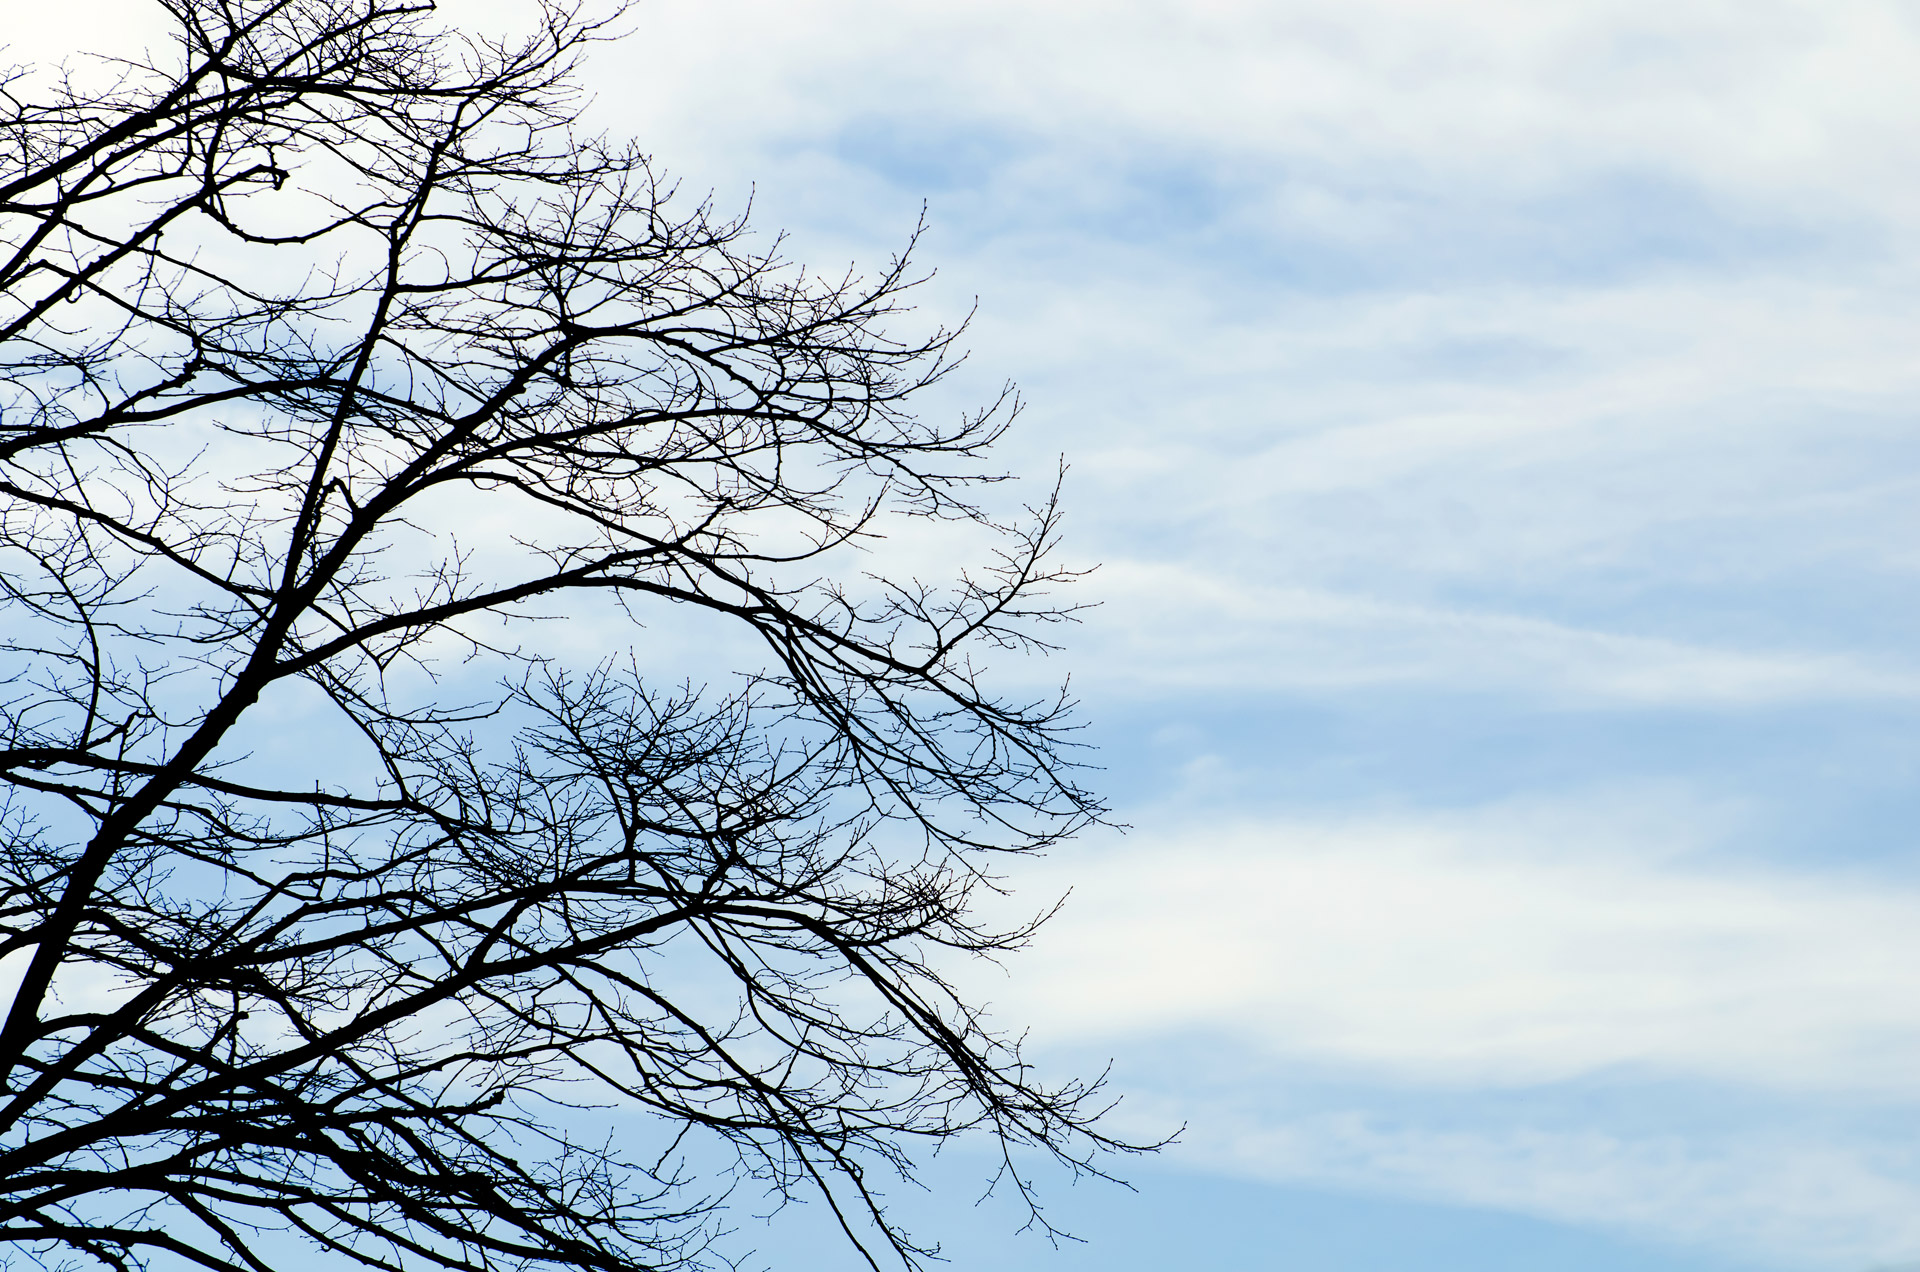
[[1170, 629], [1777, 1200]]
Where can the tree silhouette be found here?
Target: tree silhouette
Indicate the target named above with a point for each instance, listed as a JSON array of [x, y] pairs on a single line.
[[349, 394]]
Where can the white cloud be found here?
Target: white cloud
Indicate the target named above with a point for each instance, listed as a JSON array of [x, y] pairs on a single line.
[[1522, 943], [1169, 628], [1748, 96], [1575, 1010], [1776, 1199]]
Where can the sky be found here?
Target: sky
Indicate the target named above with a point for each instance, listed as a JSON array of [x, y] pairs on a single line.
[[1494, 425]]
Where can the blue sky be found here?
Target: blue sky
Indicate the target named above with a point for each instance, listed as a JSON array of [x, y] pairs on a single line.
[[1497, 426]]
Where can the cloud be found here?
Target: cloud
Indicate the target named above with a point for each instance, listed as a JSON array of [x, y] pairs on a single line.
[[1581, 1009], [1528, 942], [1169, 629], [1774, 1199], [1744, 97]]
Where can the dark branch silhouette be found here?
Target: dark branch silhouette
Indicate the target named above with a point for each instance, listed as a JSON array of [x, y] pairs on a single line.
[[338, 373]]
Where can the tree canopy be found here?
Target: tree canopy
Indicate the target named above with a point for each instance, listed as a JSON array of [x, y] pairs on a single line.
[[349, 391]]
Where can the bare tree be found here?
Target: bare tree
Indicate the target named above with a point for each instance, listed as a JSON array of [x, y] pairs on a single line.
[[284, 311]]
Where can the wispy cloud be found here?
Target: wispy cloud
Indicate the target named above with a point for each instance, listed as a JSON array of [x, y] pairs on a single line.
[[1520, 943], [1576, 1009], [1174, 629], [1777, 1199]]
